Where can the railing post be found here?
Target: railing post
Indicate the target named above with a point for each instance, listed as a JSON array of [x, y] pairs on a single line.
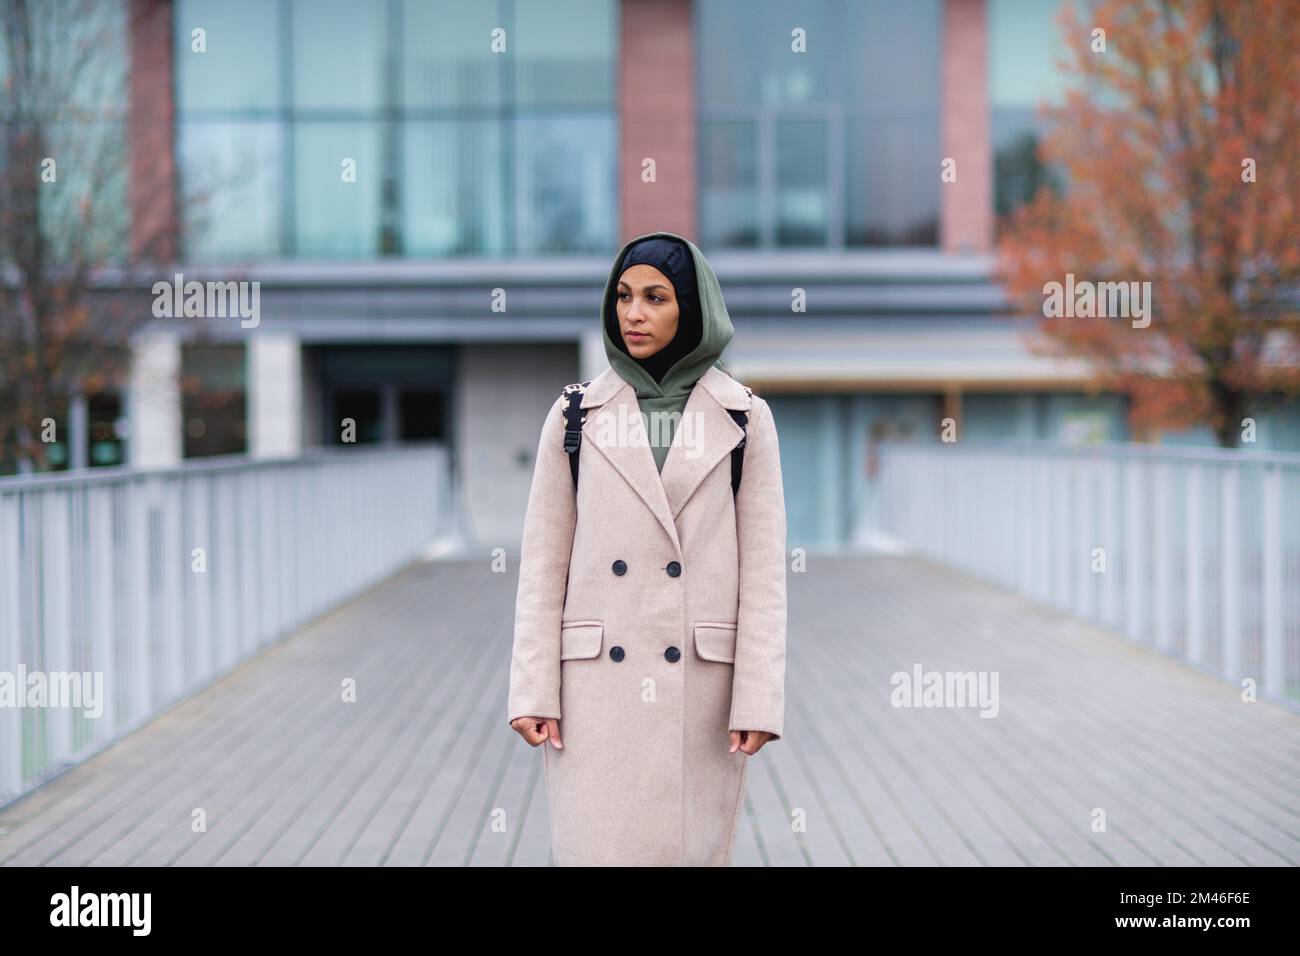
[[1161, 556], [1230, 580], [140, 634], [198, 499], [1135, 622], [101, 616], [173, 564], [1111, 526], [1060, 534], [1195, 535], [1275, 675], [56, 628], [11, 718], [1085, 539]]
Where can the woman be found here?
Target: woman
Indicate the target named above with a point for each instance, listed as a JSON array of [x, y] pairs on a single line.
[[649, 645]]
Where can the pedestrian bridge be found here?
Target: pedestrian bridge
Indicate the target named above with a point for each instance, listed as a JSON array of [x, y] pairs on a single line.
[[373, 732], [1099, 753]]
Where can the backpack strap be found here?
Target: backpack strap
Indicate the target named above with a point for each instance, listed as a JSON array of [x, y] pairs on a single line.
[[574, 416], [741, 418]]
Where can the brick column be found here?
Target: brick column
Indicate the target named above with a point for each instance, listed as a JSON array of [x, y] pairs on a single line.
[[656, 115], [152, 189], [966, 216]]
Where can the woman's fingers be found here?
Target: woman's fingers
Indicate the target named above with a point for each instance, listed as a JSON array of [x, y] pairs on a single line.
[[532, 729], [537, 730], [751, 740]]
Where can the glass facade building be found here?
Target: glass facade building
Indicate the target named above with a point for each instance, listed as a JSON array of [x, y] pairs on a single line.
[[430, 193]]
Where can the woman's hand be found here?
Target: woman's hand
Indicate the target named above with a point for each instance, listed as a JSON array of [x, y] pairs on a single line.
[[537, 730], [748, 741]]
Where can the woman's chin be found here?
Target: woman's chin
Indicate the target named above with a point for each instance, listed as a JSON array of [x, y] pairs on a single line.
[[641, 349]]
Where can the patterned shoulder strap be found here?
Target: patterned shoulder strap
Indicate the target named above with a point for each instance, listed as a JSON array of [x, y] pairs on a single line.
[[574, 416]]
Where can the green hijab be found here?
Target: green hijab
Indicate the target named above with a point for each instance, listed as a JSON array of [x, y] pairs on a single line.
[[668, 396]]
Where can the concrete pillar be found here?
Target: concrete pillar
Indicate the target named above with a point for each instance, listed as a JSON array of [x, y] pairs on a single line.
[[656, 112], [154, 400], [966, 210], [274, 395]]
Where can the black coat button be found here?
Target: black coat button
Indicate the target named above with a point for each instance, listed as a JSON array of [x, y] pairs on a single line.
[[620, 566], [672, 654], [616, 653], [674, 569]]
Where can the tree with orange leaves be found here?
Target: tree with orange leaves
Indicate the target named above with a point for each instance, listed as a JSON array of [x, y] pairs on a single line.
[[1180, 154]]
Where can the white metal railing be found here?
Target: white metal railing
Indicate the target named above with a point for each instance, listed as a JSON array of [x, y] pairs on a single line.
[[1192, 552], [162, 581]]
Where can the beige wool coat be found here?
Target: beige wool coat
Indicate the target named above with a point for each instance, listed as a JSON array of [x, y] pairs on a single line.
[[645, 777]]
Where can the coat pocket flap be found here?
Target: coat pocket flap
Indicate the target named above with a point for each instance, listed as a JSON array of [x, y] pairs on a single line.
[[580, 639], [716, 641]]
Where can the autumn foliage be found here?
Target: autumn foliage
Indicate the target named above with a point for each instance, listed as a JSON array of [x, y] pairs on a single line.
[[1179, 148]]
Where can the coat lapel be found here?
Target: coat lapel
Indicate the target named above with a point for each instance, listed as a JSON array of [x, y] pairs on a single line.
[[705, 435], [609, 429]]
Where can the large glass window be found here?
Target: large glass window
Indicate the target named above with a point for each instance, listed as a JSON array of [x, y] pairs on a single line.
[[338, 55], [331, 129], [454, 185], [834, 146], [1023, 42], [729, 192], [337, 180], [447, 59], [239, 66], [564, 53], [214, 389], [64, 159], [563, 179], [802, 187], [230, 190]]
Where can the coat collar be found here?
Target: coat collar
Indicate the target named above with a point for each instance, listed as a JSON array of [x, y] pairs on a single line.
[[713, 434], [726, 390]]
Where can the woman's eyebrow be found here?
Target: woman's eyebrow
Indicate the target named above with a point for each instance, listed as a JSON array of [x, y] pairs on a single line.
[[647, 288]]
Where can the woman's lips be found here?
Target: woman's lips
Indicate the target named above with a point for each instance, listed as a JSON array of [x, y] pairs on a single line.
[[637, 336]]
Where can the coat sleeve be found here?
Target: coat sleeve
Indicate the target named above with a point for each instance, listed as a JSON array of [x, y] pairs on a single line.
[[758, 679], [543, 577]]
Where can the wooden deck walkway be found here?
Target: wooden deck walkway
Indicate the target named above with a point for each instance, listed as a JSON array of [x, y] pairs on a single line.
[[419, 768]]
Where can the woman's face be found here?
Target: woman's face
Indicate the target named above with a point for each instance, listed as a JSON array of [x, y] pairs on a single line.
[[647, 310]]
